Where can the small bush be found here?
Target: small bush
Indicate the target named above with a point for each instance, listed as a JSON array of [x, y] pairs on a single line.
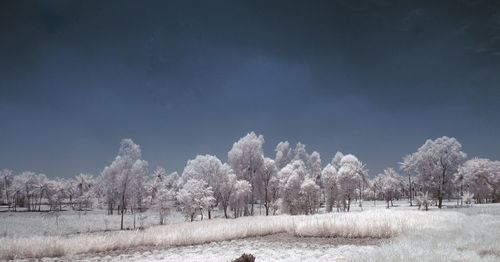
[[245, 258]]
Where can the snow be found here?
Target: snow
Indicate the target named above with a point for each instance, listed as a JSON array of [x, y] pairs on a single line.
[[469, 234], [23, 224]]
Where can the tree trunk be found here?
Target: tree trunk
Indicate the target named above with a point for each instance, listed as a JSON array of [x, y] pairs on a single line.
[[122, 206], [409, 194]]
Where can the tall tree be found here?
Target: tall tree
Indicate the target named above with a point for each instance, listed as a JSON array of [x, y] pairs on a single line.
[[219, 176], [126, 174], [351, 177], [246, 158], [283, 154], [329, 181], [435, 162], [481, 177], [269, 172]]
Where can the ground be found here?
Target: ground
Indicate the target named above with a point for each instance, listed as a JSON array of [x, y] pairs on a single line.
[[375, 234]]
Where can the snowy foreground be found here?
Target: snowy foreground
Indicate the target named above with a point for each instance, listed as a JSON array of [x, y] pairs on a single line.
[[462, 234]]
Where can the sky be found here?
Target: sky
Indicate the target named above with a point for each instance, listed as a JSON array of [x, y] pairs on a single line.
[[181, 78]]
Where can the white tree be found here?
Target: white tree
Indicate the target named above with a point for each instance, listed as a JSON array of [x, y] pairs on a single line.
[[195, 196], [434, 163], [388, 184], [351, 176], [301, 152], [164, 202], [315, 166], [84, 183], [219, 176], [124, 177], [291, 178], [5, 182], [479, 176], [336, 160], [246, 158], [283, 154], [310, 194], [242, 192], [329, 179], [269, 172], [162, 192]]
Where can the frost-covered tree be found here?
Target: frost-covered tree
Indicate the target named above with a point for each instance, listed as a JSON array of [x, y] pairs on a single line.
[[218, 175], [125, 176], [283, 154], [435, 162], [314, 163], [291, 178], [156, 182], [84, 184], [336, 160], [388, 184], [5, 183], [310, 194], [331, 190], [164, 202], [301, 153], [195, 195], [351, 177], [162, 189], [481, 177], [238, 201], [268, 173], [57, 193], [246, 158]]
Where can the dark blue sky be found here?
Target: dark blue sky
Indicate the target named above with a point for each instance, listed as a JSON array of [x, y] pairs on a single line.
[[373, 78]]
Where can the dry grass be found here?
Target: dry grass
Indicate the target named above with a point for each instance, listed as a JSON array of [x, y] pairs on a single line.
[[374, 223]]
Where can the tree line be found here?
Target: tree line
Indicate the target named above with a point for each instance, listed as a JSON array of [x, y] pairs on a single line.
[[292, 182]]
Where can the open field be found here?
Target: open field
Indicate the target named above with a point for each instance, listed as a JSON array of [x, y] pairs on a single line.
[[450, 234]]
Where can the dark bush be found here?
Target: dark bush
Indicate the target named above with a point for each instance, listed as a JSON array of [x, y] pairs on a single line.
[[245, 258]]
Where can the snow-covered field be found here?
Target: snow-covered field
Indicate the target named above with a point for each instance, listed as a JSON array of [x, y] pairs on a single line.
[[73, 222], [376, 234]]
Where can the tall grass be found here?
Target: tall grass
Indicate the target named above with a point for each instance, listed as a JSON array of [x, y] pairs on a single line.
[[376, 224]]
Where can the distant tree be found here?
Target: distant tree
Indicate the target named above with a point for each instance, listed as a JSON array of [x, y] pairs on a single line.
[[331, 190], [246, 158], [310, 195], [435, 162], [124, 177], [6, 183], [336, 160], [481, 177], [283, 154], [84, 184], [301, 153], [195, 196], [351, 177], [388, 184], [291, 178], [219, 177], [314, 164], [162, 189], [269, 172], [242, 192]]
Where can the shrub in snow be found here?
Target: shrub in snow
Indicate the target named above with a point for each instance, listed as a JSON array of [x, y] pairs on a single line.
[[423, 200], [245, 258], [467, 198]]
